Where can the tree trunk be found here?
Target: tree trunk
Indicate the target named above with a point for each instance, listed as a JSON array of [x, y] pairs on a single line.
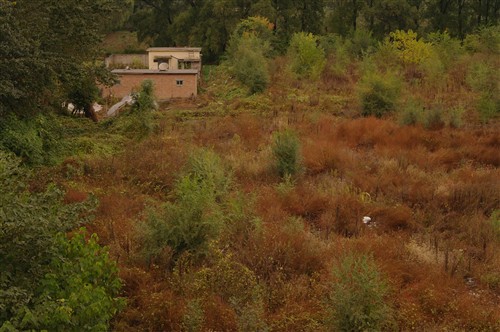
[[89, 113]]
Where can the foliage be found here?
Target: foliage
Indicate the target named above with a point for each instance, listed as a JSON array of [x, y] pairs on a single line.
[[247, 50], [409, 49], [360, 43], [144, 100], [258, 27], [41, 270], [80, 291], [139, 122], [286, 152], [357, 301], [39, 63], [485, 40], [189, 223], [37, 140], [433, 118], [483, 78], [307, 59], [249, 64], [448, 48], [378, 94], [411, 113]]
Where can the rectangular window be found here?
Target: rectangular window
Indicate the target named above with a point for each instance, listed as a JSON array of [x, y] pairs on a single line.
[[179, 82]]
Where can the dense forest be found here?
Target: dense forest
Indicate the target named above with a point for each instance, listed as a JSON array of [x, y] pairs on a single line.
[[338, 171]]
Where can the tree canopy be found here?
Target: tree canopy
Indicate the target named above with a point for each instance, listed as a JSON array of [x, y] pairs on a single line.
[[209, 23], [49, 48]]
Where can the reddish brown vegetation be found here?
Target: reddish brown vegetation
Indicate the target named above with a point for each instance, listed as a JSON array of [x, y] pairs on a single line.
[[429, 194]]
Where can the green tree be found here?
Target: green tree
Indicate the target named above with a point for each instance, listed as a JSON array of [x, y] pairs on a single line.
[[378, 94], [80, 291], [247, 51], [40, 269], [48, 48], [307, 59], [286, 152], [358, 298], [194, 218]]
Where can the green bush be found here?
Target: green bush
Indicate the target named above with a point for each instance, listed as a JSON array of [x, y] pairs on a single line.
[[488, 107], [483, 78], [286, 152], [358, 298], [433, 118], [139, 122], [411, 113], [455, 117], [48, 282], [81, 292], [249, 64], [194, 218], [36, 140], [307, 59], [447, 48], [362, 42], [486, 40], [378, 94]]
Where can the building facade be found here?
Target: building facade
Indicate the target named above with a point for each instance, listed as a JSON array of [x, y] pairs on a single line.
[[175, 73]]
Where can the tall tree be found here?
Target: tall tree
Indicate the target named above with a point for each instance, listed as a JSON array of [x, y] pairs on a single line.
[[49, 45]]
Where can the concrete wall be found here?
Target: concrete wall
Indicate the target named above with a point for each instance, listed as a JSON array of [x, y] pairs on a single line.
[[124, 60], [174, 54], [165, 84]]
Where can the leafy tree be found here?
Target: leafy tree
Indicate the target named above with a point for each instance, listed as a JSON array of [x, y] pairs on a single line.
[[246, 53], [286, 152], [80, 293], [407, 47], [40, 269], [378, 94], [189, 223], [358, 298], [307, 59], [50, 49]]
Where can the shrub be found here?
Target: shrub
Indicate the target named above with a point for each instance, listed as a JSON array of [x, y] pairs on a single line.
[[81, 291], [37, 140], [357, 301], [447, 48], [411, 113], [139, 122], [307, 60], [486, 40], [194, 218], [144, 100], [286, 152], [362, 42], [409, 49], [249, 64], [483, 78], [433, 118], [455, 117], [53, 283], [378, 94]]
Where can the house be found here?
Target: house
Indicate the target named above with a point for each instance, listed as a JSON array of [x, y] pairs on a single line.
[[175, 72]]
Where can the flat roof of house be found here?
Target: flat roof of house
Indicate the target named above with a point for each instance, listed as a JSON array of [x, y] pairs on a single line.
[[154, 71], [173, 49]]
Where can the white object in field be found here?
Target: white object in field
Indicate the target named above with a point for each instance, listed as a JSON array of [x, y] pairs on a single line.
[[127, 100], [366, 220], [97, 108]]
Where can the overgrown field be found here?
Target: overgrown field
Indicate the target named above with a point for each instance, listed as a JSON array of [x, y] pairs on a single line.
[[245, 209], [247, 213]]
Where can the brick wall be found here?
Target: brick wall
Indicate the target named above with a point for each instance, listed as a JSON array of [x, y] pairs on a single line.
[[165, 85]]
